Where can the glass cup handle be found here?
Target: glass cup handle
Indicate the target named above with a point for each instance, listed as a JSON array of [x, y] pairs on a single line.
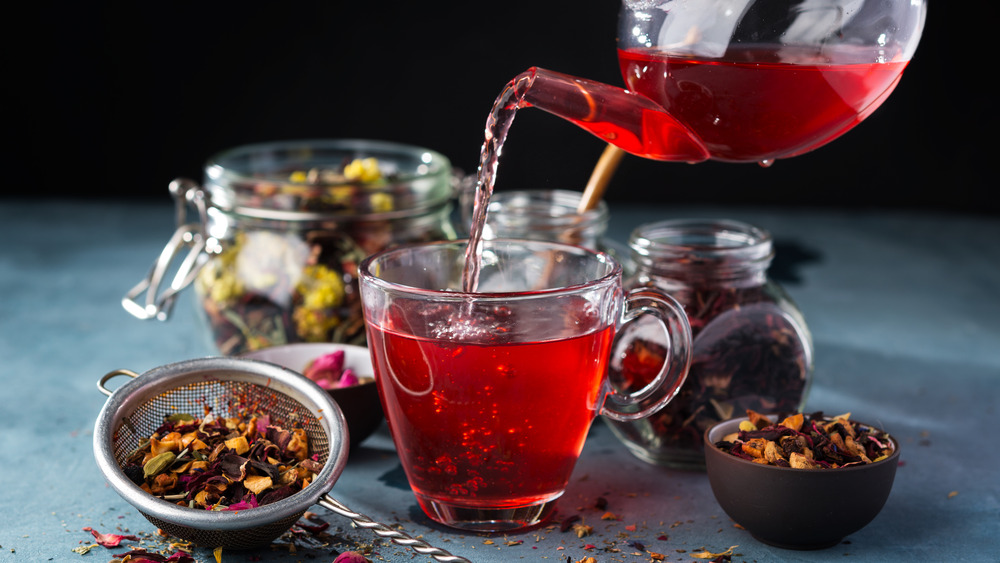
[[643, 303]]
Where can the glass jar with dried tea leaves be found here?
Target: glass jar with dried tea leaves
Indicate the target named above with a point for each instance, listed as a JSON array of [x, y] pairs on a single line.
[[551, 215], [281, 230], [751, 346]]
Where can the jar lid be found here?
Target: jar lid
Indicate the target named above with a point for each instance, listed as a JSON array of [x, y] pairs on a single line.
[[686, 244], [547, 214], [314, 179]]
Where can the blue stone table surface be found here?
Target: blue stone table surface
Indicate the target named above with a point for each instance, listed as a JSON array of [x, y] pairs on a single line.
[[904, 308]]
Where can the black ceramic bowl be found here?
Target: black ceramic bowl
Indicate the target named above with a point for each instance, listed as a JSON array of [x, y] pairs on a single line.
[[359, 403], [796, 508]]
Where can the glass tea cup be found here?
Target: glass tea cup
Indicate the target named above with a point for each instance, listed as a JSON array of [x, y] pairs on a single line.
[[489, 395]]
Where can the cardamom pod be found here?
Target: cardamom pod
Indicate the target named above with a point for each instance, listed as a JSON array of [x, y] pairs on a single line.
[[158, 464]]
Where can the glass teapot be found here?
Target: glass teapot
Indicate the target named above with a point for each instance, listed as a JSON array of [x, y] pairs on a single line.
[[736, 80]]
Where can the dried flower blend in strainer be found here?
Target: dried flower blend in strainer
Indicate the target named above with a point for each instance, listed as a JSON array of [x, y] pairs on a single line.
[[218, 463]]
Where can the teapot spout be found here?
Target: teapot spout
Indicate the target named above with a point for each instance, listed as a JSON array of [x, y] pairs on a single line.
[[627, 120]]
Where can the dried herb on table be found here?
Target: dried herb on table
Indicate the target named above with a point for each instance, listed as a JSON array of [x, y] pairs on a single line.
[[807, 441], [218, 463]]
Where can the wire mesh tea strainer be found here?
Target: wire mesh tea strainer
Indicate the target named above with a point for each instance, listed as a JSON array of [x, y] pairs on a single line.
[[135, 410]]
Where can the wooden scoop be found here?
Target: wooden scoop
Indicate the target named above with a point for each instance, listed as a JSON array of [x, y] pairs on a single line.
[[599, 178]]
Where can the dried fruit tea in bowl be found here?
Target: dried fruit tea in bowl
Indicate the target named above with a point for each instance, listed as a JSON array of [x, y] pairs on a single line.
[[807, 441]]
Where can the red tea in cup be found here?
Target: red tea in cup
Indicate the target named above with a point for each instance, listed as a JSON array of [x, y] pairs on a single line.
[[489, 395]]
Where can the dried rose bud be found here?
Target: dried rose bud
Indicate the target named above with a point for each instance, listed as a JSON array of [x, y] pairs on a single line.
[[327, 367], [348, 379], [351, 557], [326, 383]]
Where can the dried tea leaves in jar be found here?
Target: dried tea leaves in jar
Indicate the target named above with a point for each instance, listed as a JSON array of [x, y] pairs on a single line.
[[287, 242]]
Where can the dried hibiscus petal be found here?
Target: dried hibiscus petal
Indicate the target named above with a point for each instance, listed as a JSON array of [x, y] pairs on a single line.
[[138, 555], [248, 502], [313, 528], [274, 495], [234, 467]]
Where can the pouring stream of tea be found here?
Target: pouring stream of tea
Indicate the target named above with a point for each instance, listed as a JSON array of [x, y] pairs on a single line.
[[637, 126]]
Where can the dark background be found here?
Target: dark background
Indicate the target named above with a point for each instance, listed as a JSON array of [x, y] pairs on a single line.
[[114, 102]]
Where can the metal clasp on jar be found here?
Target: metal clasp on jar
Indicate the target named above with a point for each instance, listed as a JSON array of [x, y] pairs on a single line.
[[145, 300]]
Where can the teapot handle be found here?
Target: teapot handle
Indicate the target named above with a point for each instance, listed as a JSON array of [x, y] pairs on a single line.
[[187, 236]]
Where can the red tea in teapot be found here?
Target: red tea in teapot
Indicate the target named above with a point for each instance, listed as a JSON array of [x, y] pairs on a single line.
[[758, 104], [746, 81], [754, 105]]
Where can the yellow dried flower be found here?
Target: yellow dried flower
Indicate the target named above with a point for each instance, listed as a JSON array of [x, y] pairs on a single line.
[[381, 202], [321, 287], [312, 325], [218, 278], [325, 295], [225, 287], [363, 169], [341, 195]]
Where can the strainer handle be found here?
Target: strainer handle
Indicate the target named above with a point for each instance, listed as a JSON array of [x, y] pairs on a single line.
[[111, 375], [383, 531]]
